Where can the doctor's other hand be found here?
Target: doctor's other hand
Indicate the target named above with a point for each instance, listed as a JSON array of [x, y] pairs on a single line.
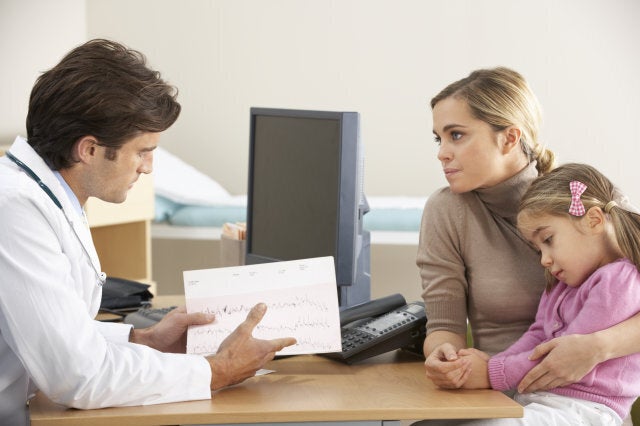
[[170, 333], [445, 368], [240, 355]]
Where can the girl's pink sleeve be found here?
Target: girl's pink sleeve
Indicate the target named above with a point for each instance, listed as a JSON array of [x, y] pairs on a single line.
[[507, 368]]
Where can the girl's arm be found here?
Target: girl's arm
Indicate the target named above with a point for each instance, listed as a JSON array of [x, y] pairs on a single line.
[[569, 358], [607, 326]]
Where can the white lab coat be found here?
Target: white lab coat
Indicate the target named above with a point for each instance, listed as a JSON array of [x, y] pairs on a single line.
[[49, 296]]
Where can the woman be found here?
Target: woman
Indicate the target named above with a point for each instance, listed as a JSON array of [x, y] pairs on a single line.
[[473, 262]]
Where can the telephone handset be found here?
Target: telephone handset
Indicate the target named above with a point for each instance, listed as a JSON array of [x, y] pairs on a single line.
[[380, 326]]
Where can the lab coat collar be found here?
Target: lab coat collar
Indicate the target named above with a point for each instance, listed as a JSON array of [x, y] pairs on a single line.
[[25, 153]]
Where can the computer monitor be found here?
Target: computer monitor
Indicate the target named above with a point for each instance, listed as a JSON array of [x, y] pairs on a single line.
[[305, 196]]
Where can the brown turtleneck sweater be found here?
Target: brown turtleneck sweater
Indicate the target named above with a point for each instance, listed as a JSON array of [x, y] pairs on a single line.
[[474, 264]]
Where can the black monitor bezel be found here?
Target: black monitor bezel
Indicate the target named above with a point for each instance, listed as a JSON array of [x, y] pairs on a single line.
[[350, 186]]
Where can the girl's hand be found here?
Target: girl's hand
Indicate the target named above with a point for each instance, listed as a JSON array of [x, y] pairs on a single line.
[[445, 368], [567, 359], [479, 367]]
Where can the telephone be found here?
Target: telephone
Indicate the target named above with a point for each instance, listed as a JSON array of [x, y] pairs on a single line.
[[380, 326]]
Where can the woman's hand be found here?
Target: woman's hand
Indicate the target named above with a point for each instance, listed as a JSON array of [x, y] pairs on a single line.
[[567, 359], [445, 368]]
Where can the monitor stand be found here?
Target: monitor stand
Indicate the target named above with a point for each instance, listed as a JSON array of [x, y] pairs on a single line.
[[360, 291]]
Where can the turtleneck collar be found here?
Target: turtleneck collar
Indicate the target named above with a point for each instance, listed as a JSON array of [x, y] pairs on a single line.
[[503, 199]]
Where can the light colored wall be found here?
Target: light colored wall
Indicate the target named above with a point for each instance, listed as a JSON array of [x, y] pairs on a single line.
[[385, 59], [34, 35]]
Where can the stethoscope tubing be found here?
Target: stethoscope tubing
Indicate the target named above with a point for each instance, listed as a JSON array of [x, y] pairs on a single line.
[[101, 276]]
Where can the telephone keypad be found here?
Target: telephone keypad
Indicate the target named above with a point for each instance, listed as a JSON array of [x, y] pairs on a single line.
[[354, 338], [399, 328]]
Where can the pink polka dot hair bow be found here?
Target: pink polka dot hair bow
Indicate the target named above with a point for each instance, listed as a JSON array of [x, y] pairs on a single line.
[[577, 189]]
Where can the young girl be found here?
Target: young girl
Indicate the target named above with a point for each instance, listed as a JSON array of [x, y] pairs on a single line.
[[588, 236]]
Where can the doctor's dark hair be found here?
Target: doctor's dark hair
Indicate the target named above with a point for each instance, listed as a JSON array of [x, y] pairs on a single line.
[[101, 89], [501, 97]]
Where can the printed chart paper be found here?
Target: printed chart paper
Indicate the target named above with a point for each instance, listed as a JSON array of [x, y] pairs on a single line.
[[300, 295]]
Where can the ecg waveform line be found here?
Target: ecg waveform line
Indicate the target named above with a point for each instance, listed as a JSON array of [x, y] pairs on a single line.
[[298, 302], [291, 327], [306, 314]]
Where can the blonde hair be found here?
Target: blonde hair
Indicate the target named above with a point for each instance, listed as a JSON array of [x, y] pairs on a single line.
[[501, 98], [550, 195]]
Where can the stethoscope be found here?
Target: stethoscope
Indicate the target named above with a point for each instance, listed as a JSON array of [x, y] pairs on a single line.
[[100, 276]]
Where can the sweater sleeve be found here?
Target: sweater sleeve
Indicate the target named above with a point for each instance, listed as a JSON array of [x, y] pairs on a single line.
[[507, 368], [442, 268], [609, 296]]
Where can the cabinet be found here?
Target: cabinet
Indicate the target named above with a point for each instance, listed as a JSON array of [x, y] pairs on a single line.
[[122, 232]]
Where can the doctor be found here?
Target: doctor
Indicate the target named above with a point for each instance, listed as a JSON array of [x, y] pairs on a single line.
[[93, 123]]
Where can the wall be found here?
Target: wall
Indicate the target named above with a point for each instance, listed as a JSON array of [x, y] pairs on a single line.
[[386, 59], [34, 35], [382, 58]]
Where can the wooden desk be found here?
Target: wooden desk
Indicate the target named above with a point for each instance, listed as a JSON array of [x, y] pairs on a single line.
[[306, 388]]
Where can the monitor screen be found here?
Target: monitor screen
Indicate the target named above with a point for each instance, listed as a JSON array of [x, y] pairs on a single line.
[[305, 193]]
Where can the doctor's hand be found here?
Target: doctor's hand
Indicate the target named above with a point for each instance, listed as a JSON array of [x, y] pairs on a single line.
[[445, 368], [170, 333], [240, 355]]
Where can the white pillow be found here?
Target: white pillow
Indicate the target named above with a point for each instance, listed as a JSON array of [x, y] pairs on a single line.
[[182, 183]]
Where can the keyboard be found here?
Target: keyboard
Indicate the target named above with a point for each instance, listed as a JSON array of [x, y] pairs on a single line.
[[146, 317]]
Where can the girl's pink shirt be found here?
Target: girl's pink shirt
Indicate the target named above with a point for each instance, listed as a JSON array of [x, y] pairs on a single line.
[[609, 296]]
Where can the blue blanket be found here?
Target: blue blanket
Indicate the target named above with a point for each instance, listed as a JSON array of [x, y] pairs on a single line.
[[388, 218]]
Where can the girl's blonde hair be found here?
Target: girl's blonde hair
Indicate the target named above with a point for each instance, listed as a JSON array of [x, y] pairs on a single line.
[[550, 195], [501, 98]]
